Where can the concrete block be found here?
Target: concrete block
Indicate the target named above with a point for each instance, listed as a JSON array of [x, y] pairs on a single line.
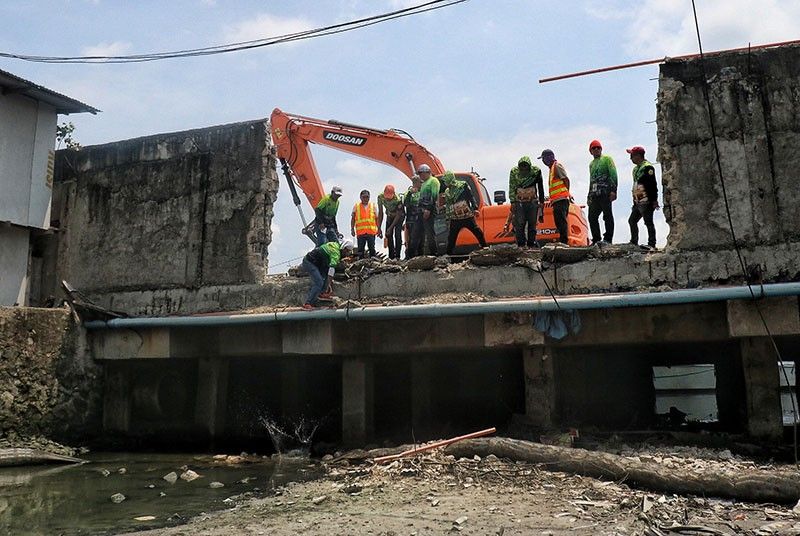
[[781, 315]]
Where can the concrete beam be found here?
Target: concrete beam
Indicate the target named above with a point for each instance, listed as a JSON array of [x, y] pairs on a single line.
[[762, 388], [307, 338], [511, 329], [130, 344], [540, 389], [358, 423], [212, 394], [781, 315]]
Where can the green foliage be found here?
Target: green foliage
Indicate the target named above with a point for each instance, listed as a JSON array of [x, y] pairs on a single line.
[[64, 137]]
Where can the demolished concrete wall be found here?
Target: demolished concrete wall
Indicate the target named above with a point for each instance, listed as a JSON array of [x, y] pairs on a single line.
[[49, 385], [755, 100], [170, 211]]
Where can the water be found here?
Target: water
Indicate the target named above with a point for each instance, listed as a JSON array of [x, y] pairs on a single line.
[[76, 500]]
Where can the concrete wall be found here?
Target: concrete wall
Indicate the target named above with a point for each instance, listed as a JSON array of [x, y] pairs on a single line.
[[49, 385], [14, 245], [27, 137], [756, 105], [171, 211]]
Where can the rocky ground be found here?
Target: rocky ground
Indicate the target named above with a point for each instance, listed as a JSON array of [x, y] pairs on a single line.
[[437, 494]]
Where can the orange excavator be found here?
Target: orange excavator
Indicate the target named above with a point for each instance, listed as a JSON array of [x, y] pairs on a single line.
[[292, 135]]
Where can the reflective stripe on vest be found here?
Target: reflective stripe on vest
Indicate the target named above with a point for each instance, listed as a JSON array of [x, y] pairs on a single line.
[[366, 223], [558, 189]]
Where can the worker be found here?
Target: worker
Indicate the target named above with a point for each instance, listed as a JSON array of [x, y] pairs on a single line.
[[645, 196], [602, 193], [323, 260], [558, 185], [326, 228], [460, 207], [395, 214], [423, 241], [364, 224], [525, 189], [413, 214]]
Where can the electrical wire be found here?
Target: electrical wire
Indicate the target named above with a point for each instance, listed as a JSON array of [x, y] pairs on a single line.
[[730, 223], [244, 45]]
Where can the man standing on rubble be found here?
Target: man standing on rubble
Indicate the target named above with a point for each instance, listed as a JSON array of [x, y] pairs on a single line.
[[558, 183], [364, 224], [645, 197], [602, 192], [394, 219], [323, 260], [413, 214], [460, 208], [525, 190], [424, 239], [325, 211]]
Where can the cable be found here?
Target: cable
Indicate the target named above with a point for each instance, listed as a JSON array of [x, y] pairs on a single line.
[[733, 233], [244, 45]]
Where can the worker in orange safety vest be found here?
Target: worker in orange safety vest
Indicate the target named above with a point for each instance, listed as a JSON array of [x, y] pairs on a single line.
[[364, 224], [559, 193]]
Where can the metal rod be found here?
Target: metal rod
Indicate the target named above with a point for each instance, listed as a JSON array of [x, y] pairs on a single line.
[[437, 310], [661, 60]]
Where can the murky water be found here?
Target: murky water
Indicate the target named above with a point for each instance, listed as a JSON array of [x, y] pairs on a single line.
[[72, 500]]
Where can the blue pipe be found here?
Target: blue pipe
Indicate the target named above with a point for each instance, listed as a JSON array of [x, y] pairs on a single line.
[[600, 301]]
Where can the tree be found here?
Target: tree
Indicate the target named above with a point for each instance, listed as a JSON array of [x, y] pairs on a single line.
[[64, 137]]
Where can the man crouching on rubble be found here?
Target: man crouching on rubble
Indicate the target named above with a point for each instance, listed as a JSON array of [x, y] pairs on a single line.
[[323, 260]]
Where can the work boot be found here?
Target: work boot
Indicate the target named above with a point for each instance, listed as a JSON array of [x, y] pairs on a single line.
[[308, 307], [326, 296]]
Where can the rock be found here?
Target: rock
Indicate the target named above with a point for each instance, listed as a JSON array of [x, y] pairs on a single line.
[[105, 472], [122, 470], [215, 485], [189, 475], [496, 255], [796, 508], [352, 488], [461, 520], [564, 254], [424, 262], [318, 500], [171, 477], [327, 458], [144, 518], [725, 455], [117, 498]]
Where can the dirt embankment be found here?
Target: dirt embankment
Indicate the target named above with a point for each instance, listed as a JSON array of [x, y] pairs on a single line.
[[440, 494], [48, 385]]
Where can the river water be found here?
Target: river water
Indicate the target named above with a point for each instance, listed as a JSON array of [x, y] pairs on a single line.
[[76, 500]]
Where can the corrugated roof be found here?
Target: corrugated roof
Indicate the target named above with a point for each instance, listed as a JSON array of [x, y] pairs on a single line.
[[13, 84]]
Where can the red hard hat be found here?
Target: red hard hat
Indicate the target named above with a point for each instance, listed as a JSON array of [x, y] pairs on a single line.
[[595, 143]]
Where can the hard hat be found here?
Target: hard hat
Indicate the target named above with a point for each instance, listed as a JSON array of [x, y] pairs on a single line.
[[388, 191], [595, 143], [636, 149], [424, 168], [545, 153], [346, 244], [336, 190]]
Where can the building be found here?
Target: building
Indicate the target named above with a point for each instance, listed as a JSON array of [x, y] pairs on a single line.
[[28, 117]]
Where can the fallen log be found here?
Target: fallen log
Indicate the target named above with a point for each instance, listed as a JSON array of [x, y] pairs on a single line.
[[750, 486], [424, 448], [24, 456]]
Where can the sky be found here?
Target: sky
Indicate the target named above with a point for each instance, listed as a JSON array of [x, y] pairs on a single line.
[[462, 80]]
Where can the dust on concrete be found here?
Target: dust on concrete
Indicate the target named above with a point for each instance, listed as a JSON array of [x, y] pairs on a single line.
[[435, 494]]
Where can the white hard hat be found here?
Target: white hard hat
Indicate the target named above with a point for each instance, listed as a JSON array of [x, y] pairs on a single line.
[[337, 190], [347, 244], [424, 168]]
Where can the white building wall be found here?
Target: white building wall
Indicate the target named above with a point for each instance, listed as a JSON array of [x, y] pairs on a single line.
[[27, 135], [14, 243]]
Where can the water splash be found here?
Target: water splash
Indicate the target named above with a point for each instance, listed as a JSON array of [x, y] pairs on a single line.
[[291, 436]]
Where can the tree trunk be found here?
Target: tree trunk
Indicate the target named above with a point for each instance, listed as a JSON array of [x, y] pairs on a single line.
[[752, 486]]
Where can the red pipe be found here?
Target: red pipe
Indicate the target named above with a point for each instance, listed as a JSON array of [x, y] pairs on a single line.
[[432, 446], [665, 58]]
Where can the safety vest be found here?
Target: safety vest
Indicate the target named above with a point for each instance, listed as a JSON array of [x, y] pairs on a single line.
[[558, 189], [366, 222]]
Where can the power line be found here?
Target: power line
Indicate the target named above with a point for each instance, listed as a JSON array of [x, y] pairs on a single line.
[[244, 45]]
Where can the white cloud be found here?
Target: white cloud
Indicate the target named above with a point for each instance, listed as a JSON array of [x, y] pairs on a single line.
[[117, 48], [266, 25], [666, 27]]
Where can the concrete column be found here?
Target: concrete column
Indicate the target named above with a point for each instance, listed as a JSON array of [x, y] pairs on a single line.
[[762, 388], [421, 398], [117, 400], [212, 394], [357, 401], [293, 382], [540, 392]]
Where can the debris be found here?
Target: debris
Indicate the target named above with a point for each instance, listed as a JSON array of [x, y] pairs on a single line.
[[318, 500], [171, 477], [144, 518], [352, 488], [105, 472], [461, 520], [437, 444], [122, 470], [117, 498], [215, 485], [424, 262], [189, 475]]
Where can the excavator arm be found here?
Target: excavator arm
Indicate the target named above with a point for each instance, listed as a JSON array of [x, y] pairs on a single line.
[[292, 135]]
